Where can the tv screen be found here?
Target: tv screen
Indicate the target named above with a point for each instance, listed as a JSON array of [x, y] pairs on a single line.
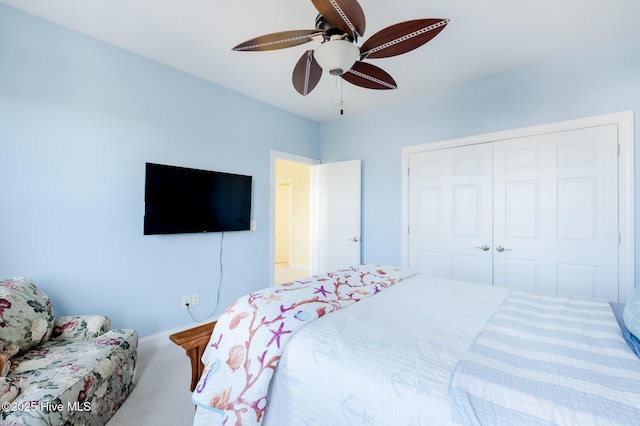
[[182, 200]]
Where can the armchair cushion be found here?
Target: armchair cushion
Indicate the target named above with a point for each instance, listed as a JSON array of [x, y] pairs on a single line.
[[8, 391], [26, 316], [80, 327], [88, 379]]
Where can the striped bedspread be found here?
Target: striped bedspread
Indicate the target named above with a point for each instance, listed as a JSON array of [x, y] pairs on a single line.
[[548, 360]]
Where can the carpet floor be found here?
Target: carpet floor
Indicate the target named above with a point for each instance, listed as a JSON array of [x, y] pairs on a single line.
[[161, 392]]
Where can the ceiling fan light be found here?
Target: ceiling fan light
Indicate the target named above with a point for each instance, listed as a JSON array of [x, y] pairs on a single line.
[[336, 56]]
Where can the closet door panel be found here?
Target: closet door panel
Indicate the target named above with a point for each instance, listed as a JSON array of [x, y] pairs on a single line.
[[555, 206], [450, 213]]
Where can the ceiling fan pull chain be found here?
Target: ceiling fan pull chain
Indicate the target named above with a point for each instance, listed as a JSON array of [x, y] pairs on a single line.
[[341, 98]]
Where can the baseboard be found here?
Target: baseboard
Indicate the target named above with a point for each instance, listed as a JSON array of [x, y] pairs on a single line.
[[159, 340]]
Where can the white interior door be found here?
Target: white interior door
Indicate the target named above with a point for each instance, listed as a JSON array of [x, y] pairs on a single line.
[[450, 223], [336, 215], [564, 216], [556, 213], [535, 213]]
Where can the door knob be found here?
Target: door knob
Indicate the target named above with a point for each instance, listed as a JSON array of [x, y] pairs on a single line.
[[354, 239], [500, 249], [483, 248]]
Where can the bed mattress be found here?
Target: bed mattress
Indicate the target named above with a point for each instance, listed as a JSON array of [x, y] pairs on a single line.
[[427, 351], [379, 361]]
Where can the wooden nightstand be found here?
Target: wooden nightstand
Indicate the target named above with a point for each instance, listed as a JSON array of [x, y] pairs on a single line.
[[194, 341]]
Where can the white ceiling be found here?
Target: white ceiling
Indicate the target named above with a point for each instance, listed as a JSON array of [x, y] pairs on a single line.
[[483, 38]]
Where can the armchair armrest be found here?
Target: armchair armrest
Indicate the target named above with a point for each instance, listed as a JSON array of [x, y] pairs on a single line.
[[80, 327]]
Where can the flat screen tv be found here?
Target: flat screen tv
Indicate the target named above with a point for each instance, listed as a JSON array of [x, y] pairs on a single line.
[[182, 200]]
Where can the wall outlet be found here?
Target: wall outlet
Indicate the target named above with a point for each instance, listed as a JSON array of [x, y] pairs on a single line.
[[186, 300], [195, 299]]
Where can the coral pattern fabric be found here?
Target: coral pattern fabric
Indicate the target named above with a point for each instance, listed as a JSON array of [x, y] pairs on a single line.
[[251, 334]]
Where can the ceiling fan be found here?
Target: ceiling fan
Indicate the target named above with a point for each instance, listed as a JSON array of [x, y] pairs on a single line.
[[338, 26]]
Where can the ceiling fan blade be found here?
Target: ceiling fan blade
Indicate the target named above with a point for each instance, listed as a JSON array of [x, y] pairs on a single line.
[[346, 15], [306, 74], [401, 38], [370, 77], [279, 40]]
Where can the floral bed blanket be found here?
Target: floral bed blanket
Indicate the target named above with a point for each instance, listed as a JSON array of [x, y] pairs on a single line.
[[249, 337]]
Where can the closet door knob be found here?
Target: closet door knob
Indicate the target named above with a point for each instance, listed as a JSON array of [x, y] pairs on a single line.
[[483, 248], [500, 249]]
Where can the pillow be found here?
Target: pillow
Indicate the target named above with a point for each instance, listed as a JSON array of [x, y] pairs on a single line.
[[80, 327], [632, 341], [631, 313], [26, 316]]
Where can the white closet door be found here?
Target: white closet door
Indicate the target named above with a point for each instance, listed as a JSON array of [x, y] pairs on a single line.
[[556, 213], [450, 213]]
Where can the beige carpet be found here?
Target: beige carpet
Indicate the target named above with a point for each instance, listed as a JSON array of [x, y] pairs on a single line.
[[284, 274], [161, 394]]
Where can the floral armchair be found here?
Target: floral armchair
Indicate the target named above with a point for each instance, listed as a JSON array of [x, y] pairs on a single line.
[[59, 371]]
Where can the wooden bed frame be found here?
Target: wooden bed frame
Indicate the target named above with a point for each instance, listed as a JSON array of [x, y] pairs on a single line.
[[194, 341]]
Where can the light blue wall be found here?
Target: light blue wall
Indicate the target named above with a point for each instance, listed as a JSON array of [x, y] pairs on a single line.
[[79, 118], [599, 80], [78, 121]]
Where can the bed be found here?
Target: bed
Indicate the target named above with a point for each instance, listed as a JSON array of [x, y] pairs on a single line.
[[416, 350]]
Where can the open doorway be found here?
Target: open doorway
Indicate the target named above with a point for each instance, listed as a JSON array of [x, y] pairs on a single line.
[[291, 220], [321, 237]]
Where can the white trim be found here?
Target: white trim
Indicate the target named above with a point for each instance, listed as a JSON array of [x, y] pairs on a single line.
[[279, 155], [626, 205], [626, 194]]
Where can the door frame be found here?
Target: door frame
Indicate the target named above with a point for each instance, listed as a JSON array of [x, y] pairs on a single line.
[[626, 192], [280, 155]]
